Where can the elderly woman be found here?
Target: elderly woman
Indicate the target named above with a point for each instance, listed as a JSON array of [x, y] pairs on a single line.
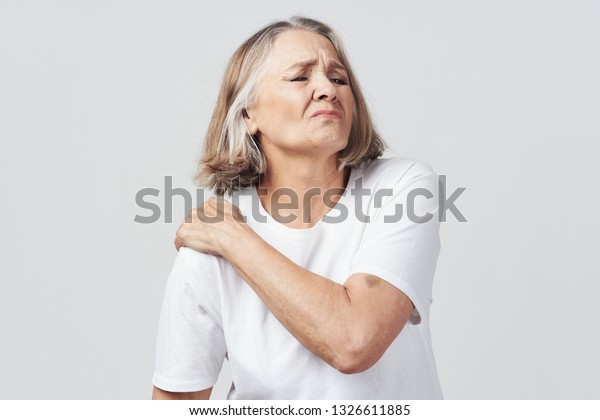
[[312, 271]]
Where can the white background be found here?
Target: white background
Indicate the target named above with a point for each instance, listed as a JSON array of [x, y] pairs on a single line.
[[99, 99]]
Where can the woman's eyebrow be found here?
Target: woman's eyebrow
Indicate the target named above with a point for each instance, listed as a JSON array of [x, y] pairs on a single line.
[[308, 63]]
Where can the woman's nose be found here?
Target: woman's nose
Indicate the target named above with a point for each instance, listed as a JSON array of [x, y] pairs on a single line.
[[324, 88]]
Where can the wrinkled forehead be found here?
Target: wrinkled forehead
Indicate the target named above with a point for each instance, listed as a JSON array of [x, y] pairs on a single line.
[[301, 47]]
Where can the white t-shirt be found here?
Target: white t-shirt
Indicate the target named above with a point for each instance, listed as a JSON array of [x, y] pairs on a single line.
[[210, 313]]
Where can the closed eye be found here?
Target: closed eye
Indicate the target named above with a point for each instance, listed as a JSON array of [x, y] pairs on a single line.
[[335, 80]]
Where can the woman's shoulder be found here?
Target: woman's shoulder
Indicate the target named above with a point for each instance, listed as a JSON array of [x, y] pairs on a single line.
[[391, 170], [198, 263]]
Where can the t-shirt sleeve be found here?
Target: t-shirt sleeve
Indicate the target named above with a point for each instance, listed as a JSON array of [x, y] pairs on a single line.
[[190, 346], [399, 246]]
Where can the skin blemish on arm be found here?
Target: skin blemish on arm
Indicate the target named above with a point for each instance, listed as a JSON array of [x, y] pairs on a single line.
[[372, 281]]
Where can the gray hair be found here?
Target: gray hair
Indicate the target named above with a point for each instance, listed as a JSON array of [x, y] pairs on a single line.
[[231, 157]]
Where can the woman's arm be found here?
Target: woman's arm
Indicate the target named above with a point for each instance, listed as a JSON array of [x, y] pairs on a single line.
[[159, 394], [349, 326]]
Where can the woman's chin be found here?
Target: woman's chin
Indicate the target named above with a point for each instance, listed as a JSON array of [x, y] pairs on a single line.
[[329, 143]]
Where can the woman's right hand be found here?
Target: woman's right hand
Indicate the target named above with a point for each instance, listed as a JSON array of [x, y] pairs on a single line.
[[208, 228]]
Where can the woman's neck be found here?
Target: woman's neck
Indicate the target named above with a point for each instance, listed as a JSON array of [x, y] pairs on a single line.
[[305, 188]]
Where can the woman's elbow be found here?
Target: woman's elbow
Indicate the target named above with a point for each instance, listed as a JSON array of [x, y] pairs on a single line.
[[356, 360]]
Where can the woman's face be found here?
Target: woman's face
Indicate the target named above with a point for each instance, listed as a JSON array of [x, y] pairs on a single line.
[[304, 102]]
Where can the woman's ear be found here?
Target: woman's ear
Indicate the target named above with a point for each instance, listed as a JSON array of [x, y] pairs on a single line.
[[250, 122]]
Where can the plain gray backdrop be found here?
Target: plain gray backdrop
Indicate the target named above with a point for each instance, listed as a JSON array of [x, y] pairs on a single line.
[[99, 99]]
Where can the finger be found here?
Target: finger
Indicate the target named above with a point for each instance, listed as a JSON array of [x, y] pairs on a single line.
[[209, 212], [180, 236], [218, 209], [177, 242], [191, 215]]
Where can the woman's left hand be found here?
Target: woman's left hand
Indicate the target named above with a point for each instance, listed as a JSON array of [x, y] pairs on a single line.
[[208, 228]]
